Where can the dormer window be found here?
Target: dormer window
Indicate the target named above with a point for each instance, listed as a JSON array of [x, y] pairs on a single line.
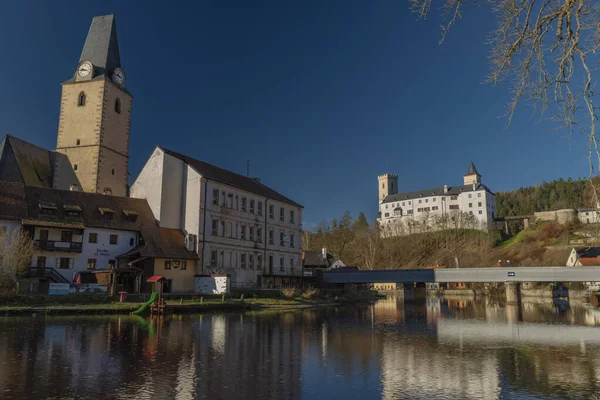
[[47, 208], [131, 215], [108, 191], [107, 213], [118, 106], [72, 210], [81, 100]]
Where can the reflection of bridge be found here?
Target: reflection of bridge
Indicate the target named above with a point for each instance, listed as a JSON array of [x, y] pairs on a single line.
[[480, 332], [503, 274]]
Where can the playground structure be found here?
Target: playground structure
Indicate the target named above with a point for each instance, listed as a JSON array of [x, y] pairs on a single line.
[[156, 303]]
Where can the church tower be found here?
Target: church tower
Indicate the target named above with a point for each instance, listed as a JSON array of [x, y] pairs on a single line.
[[95, 113]]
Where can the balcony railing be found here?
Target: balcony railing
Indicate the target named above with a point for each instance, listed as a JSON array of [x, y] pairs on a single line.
[[56, 245]]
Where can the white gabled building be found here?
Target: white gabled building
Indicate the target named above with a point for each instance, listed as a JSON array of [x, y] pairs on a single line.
[[237, 225], [471, 205]]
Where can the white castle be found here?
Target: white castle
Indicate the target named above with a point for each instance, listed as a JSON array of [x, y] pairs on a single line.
[[471, 205]]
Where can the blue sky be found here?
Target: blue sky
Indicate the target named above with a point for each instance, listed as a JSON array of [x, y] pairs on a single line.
[[321, 96]]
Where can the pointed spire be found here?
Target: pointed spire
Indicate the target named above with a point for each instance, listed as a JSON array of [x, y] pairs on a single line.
[[472, 170], [101, 46]]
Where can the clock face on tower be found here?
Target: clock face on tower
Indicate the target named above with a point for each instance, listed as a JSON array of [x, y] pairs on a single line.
[[119, 76], [85, 69]]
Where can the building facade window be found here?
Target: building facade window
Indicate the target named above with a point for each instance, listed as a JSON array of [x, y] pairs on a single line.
[[291, 240], [91, 264], [81, 100], [244, 200], [271, 236], [470, 205], [215, 199], [66, 236], [282, 214], [223, 228], [243, 232], [215, 227], [258, 261], [259, 235], [251, 206], [281, 239], [230, 200], [281, 266], [213, 258], [118, 106], [251, 233], [65, 263], [260, 208], [41, 262], [243, 261], [251, 261], [113, 239]]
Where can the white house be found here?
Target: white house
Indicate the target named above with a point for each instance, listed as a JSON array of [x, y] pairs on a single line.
[[237, 225], [471, 205], [75, 231]]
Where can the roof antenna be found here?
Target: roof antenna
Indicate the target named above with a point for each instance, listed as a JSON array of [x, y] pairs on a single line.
[[248, 168]]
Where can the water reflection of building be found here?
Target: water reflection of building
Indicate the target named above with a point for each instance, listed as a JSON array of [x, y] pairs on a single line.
[[420, 368], [389, 310]]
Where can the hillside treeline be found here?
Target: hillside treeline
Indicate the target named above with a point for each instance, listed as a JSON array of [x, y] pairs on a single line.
[[545, 197]]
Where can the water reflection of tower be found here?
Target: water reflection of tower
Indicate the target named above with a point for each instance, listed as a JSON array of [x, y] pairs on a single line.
[[434, 309]]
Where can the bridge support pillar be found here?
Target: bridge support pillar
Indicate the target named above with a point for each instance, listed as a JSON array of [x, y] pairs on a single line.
[[526, 223], [513, 292]]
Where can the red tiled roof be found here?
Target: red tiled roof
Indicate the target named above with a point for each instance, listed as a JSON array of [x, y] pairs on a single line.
[[590, 261]]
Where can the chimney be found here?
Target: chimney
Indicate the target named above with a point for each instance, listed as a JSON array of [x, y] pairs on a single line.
[[324, 253], [445, 188], [474, 185]]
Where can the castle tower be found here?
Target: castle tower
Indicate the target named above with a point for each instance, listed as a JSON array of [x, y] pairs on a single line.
[[388, 184], [95, 113], [472, 177]]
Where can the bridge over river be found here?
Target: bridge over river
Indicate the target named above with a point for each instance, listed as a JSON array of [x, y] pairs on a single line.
[[444, 275], [510, 276]]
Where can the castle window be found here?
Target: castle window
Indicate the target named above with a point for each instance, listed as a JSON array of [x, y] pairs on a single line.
[[78, 142], [113, 171], [81, 100], [118, 106], [108, 191], [75, 166]]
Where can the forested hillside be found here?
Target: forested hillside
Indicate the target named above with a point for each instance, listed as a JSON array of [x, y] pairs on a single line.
[[544, 197]]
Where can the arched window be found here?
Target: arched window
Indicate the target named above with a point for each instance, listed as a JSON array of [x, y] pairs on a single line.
[[81, 100], [118, 106]]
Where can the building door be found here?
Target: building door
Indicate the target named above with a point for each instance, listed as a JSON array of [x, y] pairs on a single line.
[[41, 265]]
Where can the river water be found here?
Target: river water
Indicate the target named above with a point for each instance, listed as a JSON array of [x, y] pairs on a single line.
[[438, 349]]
